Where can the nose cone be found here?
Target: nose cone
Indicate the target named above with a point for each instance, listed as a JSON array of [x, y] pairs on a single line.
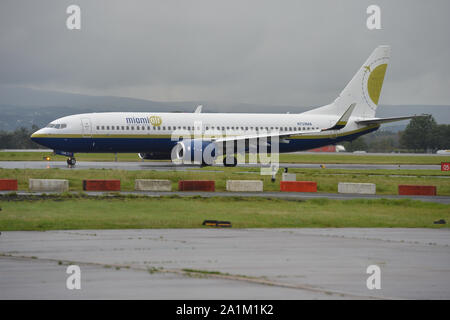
[[36, 135]]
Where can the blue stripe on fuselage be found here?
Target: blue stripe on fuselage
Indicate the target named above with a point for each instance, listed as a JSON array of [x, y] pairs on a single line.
[[131, 145]]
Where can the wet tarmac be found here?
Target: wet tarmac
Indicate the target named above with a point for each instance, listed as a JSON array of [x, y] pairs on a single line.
[[226, 263]]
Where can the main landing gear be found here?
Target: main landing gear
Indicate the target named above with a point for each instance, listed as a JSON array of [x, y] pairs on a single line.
[[71, 162]]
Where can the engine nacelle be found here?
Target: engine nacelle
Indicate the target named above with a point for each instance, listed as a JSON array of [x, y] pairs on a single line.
[[154, 156], [194, 151]]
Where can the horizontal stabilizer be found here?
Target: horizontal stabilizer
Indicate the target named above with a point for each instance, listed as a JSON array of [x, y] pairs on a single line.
[[386, 120]]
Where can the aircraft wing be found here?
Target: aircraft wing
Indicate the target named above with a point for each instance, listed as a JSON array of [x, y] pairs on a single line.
[[386, 120], [279, 134], [341, 123]]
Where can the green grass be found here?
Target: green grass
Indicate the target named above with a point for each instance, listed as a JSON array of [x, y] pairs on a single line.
[[338, 158], [59, 213], [327, 179]]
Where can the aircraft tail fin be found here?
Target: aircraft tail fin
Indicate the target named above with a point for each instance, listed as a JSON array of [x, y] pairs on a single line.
[[364, 89]]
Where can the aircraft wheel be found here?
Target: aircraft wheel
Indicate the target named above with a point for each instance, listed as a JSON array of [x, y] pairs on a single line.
[[71, 162]]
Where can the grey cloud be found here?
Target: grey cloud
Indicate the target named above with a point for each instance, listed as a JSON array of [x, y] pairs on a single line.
[[266, 52]]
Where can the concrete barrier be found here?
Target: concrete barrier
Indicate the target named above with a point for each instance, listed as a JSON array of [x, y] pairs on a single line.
[[196, 185], [152, 185], [8, 184], [360, 188], [298, 186], [45, 185], [288, 177], [416, 190], [245, 185]]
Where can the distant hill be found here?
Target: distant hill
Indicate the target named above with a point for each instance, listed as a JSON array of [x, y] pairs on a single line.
[[25, 107]]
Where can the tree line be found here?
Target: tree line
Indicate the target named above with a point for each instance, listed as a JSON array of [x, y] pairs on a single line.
[[421, 135], [19, 139]]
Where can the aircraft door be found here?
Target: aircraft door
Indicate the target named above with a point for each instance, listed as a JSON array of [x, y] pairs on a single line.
[[86, 127]]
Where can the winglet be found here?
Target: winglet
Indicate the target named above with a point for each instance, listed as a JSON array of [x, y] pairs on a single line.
[[342, 122], [198, 109]]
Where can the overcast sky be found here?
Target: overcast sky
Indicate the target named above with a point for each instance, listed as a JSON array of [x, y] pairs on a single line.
[[260, 52]]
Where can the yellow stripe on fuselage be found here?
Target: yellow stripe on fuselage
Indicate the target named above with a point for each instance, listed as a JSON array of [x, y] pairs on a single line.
[[167, 136]]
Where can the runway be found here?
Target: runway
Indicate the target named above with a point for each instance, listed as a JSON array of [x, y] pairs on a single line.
[[169, 166], [267, 194], [226, 264]]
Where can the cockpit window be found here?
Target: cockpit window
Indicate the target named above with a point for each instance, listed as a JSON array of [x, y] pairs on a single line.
[[57, 125]]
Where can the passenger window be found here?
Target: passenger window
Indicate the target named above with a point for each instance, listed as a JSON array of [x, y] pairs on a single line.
[[128, 128], [98, 127], [112, 127], [103, 127], [107, 127], [132, 127], [123, 127], [137, 127]]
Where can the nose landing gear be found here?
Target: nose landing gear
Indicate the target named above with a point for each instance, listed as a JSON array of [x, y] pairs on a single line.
[[71, 162]]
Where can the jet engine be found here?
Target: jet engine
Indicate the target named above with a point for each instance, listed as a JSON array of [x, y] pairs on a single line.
[[195, 151]]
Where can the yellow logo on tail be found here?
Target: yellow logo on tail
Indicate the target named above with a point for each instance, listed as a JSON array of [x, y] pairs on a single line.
[[375, 82]]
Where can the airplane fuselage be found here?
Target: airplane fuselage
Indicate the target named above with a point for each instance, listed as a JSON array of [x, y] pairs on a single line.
[[130, 132]]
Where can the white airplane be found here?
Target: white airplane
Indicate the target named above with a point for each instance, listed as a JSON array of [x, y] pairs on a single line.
[[150, 135]]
